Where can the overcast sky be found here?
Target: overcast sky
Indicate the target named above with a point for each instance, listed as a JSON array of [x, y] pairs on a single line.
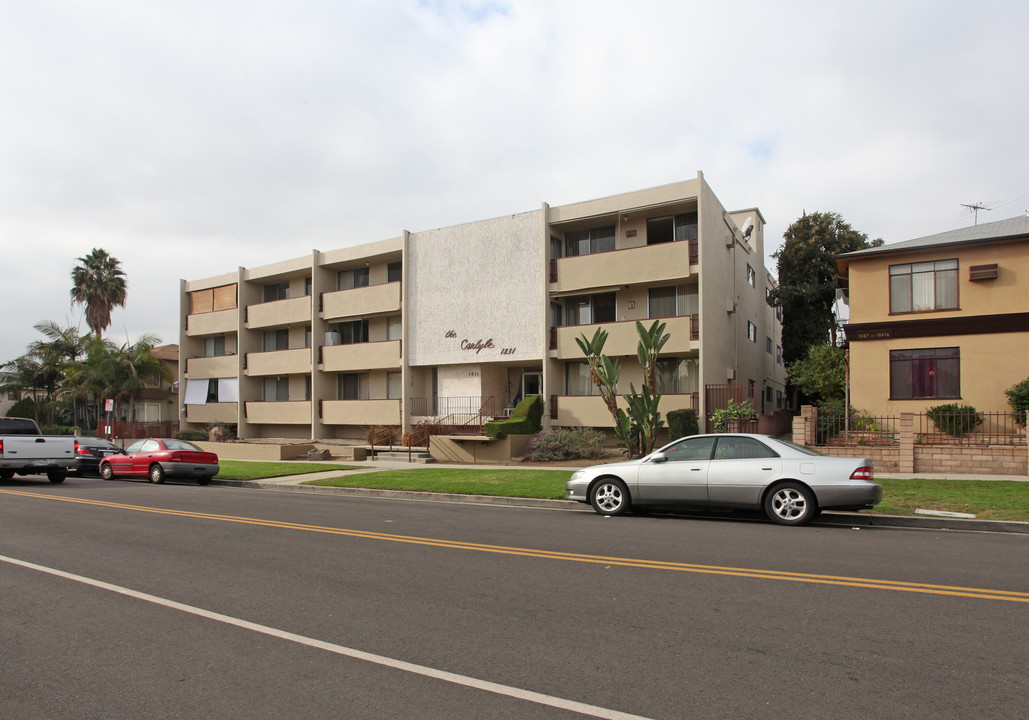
[[188, 138]]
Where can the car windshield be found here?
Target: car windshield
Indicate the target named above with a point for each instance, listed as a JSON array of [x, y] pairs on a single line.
[[180, 445]]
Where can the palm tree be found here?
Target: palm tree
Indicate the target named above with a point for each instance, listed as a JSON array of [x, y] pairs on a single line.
[[99, 284], [139, 368], [58, 353]]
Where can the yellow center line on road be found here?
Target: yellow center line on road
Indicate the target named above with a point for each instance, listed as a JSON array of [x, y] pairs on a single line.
[[867, 583]]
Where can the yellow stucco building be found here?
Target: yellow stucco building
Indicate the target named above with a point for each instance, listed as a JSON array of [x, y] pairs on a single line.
[[939, 319]]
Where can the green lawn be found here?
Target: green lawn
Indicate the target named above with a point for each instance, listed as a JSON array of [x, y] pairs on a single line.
[[989, 500], [986, 499], [512, 482], [241, 470]]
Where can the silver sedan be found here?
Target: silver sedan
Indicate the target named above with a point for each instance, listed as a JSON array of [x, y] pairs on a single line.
[[791, 483]]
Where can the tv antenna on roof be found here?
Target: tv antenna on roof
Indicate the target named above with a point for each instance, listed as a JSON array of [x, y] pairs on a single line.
[[974, 209]]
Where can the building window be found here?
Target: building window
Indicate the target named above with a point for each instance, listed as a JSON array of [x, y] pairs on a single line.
[[924, 286], [276, 340], [673, 301], [578, 380], [778, 399], [587, 242], [677, 375], [751, 331], [352, 332], [394, 385], [214, 346], [353, 386], [307, 387], [768, 345], [307, 286], [394, 272], [925, 373], [276, 291], [751, 276], [666, 229], [394, 328], [778, 354], [276, 389], [350, 279], [590, 309], [307, 336]]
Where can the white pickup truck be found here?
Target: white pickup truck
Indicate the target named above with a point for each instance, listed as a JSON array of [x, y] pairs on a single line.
[[24, 451]]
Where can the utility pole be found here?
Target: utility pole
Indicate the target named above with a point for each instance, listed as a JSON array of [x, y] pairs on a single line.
[[974, 209]]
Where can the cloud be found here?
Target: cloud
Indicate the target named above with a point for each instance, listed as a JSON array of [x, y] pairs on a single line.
[[189, 139]]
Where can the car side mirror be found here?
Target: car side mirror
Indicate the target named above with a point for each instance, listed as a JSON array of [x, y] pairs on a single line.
[[658, 457]]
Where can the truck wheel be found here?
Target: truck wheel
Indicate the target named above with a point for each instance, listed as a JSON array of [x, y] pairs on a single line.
[[6, 474], [56, 477]]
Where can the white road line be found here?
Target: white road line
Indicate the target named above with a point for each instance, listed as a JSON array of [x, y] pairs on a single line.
[[518, 693]]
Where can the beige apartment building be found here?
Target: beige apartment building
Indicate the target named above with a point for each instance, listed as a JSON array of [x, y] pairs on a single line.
[[940, 319], [453, 324]]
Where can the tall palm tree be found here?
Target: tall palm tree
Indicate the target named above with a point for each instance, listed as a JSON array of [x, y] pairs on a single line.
[[99, 284]]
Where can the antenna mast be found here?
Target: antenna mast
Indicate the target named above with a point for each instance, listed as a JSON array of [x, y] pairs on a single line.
[[974, 209]]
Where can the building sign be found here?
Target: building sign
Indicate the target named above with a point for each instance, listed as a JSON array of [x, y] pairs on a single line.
[[477, 346]]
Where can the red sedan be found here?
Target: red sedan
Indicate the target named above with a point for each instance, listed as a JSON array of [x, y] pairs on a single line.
[[159, 458]]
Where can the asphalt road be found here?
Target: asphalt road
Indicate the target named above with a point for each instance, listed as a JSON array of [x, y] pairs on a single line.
[[128, 600]]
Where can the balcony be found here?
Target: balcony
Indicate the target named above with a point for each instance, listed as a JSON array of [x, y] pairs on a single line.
[[623, 339], [361, 412], [362, 302], [212, 367], [292, 311], [667, 262], [590, 410], [211, 323], [226, 412], [383, 355], [278, 413], [279, 362]]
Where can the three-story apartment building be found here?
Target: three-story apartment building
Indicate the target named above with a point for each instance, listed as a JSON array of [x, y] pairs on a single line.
[[466, 320]]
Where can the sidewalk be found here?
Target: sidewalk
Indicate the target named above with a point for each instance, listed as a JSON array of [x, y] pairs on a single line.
[[292, 483]]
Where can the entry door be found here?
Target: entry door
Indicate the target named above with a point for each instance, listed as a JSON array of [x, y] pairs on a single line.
[[532, 384], [680, 476]]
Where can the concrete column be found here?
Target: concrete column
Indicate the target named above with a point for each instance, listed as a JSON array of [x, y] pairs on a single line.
[[906, 461]]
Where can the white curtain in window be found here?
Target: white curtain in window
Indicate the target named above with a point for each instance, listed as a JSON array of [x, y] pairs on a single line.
[[196, 392], [228, 389]]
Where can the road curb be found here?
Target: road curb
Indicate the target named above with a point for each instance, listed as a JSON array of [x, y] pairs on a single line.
[[827, 518]]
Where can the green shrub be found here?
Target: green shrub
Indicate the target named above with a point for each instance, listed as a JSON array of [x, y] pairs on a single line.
[[191, 435], [1018, 399], [734, 414], [526, 419], [682, 423], [955, 419], [561, 443], [24, 408], [57, 430]]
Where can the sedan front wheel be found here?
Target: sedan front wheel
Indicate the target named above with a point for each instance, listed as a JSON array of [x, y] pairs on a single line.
[[791, 504], [610, 497]]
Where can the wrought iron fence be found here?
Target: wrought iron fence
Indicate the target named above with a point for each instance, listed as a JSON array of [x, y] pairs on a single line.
[[956, 428], [441, 406], [968, 428], [138, 429], [857, 430]]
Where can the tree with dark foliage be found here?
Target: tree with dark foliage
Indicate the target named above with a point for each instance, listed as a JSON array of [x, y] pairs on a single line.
[[808, 281]]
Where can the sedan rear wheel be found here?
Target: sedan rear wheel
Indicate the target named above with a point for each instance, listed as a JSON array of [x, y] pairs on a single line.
[[610, 497], [156, 474], [791, 504]]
